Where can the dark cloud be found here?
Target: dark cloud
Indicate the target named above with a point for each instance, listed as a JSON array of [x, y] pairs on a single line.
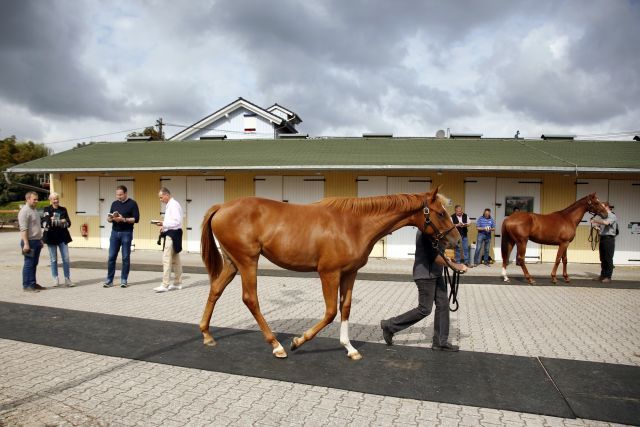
[[40, 45]]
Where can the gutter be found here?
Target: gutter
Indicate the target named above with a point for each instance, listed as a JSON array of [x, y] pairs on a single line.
[[354, 167]]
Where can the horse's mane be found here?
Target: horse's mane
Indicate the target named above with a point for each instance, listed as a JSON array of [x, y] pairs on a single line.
[[378, 204]]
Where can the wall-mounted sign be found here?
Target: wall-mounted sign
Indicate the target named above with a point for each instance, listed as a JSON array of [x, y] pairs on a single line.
[[517, 203]]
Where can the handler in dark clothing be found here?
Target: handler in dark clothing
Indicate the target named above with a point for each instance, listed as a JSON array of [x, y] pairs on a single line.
[[608, 231], [427, 273]]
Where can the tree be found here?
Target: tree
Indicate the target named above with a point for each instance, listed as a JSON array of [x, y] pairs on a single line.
[[149, 131], [13, 153]]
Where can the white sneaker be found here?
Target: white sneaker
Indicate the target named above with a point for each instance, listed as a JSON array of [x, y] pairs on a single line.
[[55, 282], [68, 282], [161, 289], [175, 287]]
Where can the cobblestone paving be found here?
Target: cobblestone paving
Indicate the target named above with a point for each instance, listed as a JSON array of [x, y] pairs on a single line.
[[42, 385], [70, 388]]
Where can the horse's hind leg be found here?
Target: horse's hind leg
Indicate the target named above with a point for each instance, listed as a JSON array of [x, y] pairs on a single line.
[[522, 250], [346, 288], [217, 286], [505, 259], [250, 298], [330, 283]]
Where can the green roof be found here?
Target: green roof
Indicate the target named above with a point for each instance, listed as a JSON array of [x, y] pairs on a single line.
[[345, 154]]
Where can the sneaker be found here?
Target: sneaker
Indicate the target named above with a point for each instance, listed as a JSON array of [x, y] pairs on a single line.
[[386, 333], [123, 284], [107, 284], [55, 282], [160, 289], [68, 282], [39, 288], [30, 289], [174, 287]]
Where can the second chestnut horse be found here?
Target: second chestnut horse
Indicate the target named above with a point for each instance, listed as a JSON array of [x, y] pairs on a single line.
[[333, 237], [557, 228]]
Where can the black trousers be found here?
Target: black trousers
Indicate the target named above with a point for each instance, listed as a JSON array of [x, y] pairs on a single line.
[[429, 291], [607, 248]]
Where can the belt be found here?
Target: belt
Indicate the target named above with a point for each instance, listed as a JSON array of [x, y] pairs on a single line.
[[607, 236]]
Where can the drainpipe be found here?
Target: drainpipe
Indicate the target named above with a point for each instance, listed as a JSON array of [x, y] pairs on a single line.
[[19, 184]]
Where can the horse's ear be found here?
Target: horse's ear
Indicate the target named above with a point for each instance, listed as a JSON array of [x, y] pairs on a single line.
[[434, 194]]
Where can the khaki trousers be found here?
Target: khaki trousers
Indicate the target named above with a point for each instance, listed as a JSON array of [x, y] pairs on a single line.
[[170, 261]]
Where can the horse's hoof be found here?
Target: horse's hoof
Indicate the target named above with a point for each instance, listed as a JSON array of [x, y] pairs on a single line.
[[567, 280], [210, 342], [553, 280], [279, 352], [355, 356], [295, 343], [506, 280], [532, 282]]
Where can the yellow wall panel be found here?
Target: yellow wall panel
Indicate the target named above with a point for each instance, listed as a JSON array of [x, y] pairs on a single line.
[[238, 185]]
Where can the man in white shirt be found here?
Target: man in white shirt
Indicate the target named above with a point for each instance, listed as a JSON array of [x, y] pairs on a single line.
[[171, 235]]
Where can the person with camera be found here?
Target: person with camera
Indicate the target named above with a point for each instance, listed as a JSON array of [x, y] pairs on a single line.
[[171, 239], [56, 236], [485, 225], [123, 214]]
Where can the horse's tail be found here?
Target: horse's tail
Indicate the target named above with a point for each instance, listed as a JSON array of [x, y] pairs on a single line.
[[208, 249], [504, 242]]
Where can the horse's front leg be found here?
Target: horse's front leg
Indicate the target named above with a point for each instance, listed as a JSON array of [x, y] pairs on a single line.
[[330, 283], [554, 270], [565, 274], [346, 288]]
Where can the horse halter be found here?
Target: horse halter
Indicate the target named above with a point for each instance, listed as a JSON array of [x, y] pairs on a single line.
[[439, 235]]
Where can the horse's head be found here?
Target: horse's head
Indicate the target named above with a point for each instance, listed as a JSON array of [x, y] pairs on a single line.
[[437, 222], [595, 206]]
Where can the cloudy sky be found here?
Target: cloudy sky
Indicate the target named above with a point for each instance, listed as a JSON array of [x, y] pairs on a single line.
[[82, 70]]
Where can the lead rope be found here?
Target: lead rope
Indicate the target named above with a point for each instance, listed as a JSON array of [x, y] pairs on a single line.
[[455, 284], [594, 236]]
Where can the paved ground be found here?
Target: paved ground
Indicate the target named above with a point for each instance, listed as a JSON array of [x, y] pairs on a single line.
[[63, 387]]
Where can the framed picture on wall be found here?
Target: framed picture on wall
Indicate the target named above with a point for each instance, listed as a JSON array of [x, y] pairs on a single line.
[[517, 203]]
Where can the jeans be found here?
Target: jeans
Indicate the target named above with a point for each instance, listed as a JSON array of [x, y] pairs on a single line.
[[117, 239], [53, 256], [606, 250], [483, 239], [429, 290], [30, 263], [465, 251]]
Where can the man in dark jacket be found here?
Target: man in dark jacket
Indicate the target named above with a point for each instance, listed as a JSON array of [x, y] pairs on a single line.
[[427, 273], [461, 221], [123, 214]]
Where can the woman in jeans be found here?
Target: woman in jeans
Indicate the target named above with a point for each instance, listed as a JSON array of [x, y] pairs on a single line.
[[56, 222]]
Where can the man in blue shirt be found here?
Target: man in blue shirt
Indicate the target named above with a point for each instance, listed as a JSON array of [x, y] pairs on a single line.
[[485, 225], [123, 214]]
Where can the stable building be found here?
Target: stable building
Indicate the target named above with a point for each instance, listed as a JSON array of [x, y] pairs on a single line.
[[540, 175]]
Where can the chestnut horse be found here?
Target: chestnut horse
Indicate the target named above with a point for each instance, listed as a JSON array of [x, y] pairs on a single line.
[[556, 228], [333, 237]]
